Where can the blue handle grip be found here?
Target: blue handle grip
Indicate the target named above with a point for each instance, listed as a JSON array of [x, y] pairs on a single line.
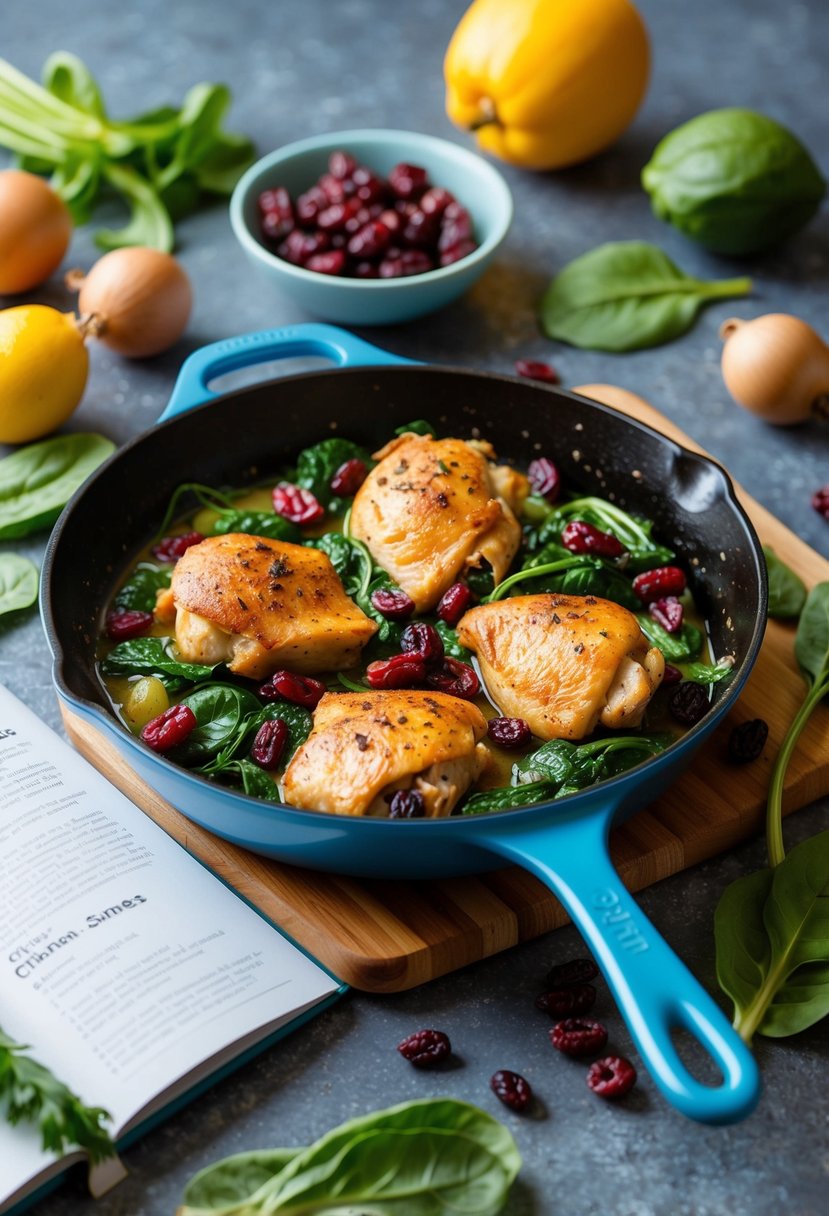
[[656, 993], [233, 354]]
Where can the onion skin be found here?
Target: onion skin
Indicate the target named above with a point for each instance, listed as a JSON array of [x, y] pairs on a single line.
[[35, 231], [777, 367], [136, 301]]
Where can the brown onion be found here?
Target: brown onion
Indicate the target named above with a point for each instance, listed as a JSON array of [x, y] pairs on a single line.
[[777, 367], [35, 230], [135, 300]]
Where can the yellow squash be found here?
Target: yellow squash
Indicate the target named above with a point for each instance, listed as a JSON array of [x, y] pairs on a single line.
[[546, 83]]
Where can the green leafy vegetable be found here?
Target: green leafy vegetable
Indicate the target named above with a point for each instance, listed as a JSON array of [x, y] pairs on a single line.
[[161, 163], [630, 530], [252, 779], [255, 523], [507, 797], [37, 481], [536, 572], [734, 180], [428, 1157], [30, 1093], [772, 927], [139, 592], [574, 766], [18, 583], [317, 465], [451, 645], [707, 673], [152, 657], [627, 295], [220, 709], [679, 647], [240, 737], [419, 427], [360, 578], [787, 592]]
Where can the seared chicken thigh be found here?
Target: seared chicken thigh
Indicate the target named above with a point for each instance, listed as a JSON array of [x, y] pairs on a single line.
[[364, 746], [564, 663], [260, 605], [434, 507]]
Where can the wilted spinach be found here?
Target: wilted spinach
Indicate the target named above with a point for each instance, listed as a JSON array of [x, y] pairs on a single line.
[[419, 427], [317, 465], [255, 523], [152, 657], [574, 766], [772, 927], [679, 647], [220, 709], [360, 577], [139, 592], [632, 531]]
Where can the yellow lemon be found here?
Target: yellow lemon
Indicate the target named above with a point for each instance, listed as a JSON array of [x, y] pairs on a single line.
[[43, 369]]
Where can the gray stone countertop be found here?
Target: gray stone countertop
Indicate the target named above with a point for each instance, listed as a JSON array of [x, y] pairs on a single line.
[[297, 69]]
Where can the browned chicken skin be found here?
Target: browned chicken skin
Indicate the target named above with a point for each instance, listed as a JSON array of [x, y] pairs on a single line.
[[434, 507], [564, 663], [367, 745], [260, 605]]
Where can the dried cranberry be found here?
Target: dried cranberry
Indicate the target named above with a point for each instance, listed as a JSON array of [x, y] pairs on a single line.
[[456, 678], [366, 270], [611, 1077], [276, 226], [688, 702], [269, 744], [333, 188], [341, 164], [512, 1089], [425, 1048], [454, 253], [349, 477], [746, 741], [544, 478], [671, 675], [288, 686], [820, 501], [422, 640], [310, 204], [576, 971], [393, 604], [421, 228], [510, 733], [533, 369], [667, 612], [300, 246], [454, 603], [130, 623], [408, 181], [169, 728], [369, 240], [332, 262], [436, 200], [662, 581], [456, 226], [567, 1002], [410, 261], [407, 804], [578, 1037], [298, 505], [581, 537], [171, 548], [400, 671]]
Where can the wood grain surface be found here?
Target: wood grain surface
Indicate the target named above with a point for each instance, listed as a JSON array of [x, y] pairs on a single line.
[[387, 936]]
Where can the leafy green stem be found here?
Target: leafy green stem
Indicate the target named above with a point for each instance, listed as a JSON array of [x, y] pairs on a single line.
[[564, 563], [724, 288], [774, 804]]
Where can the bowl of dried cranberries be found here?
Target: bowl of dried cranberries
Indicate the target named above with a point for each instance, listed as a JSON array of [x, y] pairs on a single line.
[[371, 227]]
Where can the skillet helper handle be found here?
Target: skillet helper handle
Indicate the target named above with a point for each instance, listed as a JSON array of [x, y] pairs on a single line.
[[292, 341], [654, 990]]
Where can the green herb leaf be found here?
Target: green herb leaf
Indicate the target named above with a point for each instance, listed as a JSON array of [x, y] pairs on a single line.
[[254, 781], [772, 937], [734, 180], [574, 766], [18, 583], [707, 673], [811, 644], [787, 591], [37, 481], [30, 1093], [507, 797], [627, 295], [451, 645], [635, 533]]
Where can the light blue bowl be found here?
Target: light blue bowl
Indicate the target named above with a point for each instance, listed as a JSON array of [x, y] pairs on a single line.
[[296, 166]]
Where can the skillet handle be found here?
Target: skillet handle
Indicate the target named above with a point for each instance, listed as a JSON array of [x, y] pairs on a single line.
[[655, 991], [232, 354]]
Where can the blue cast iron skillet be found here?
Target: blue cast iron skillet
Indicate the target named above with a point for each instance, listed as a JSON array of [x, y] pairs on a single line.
[[245, 436]]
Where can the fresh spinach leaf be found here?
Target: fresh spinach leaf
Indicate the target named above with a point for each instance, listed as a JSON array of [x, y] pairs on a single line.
[[787, 591], [37, 481], [480, 580], [627, 295], [152, 657], [317, 465], [255, 523], [252, 779], [572, 766], [231, 1182], [630, 530], [707, 673], [419, 427], [679, 647], [220, 710], [18, 583], [139, 592], [507, 797], [772, 937], [451, 645], [523, 576]]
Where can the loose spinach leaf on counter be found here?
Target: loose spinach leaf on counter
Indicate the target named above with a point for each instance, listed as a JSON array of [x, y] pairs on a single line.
[[772, 927], [787, 592], [139, 592], [679, 647], [627, 295], [317, 465], [37, 481], [420, 1158], [152, 657], [18, 583]]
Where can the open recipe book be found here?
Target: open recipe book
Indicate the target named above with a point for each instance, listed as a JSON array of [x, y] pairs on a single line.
[[127, 968]]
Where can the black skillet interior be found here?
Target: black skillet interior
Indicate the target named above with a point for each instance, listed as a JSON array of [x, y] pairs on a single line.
[[249, 436]]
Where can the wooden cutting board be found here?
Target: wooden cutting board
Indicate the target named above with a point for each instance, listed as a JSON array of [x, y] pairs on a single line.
[[387, 936]]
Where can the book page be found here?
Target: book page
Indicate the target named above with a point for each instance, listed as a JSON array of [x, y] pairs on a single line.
[[124, 963]]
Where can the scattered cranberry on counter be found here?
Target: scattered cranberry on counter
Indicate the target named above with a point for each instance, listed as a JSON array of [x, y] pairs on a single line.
[[171, 548], [512, 1089], [578, 1037], [169, 728], [576, 971], [130, 623], [532, 369], [354, 223], [611, 1077], [820, 501], [567, 1002], [425, 1048]]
